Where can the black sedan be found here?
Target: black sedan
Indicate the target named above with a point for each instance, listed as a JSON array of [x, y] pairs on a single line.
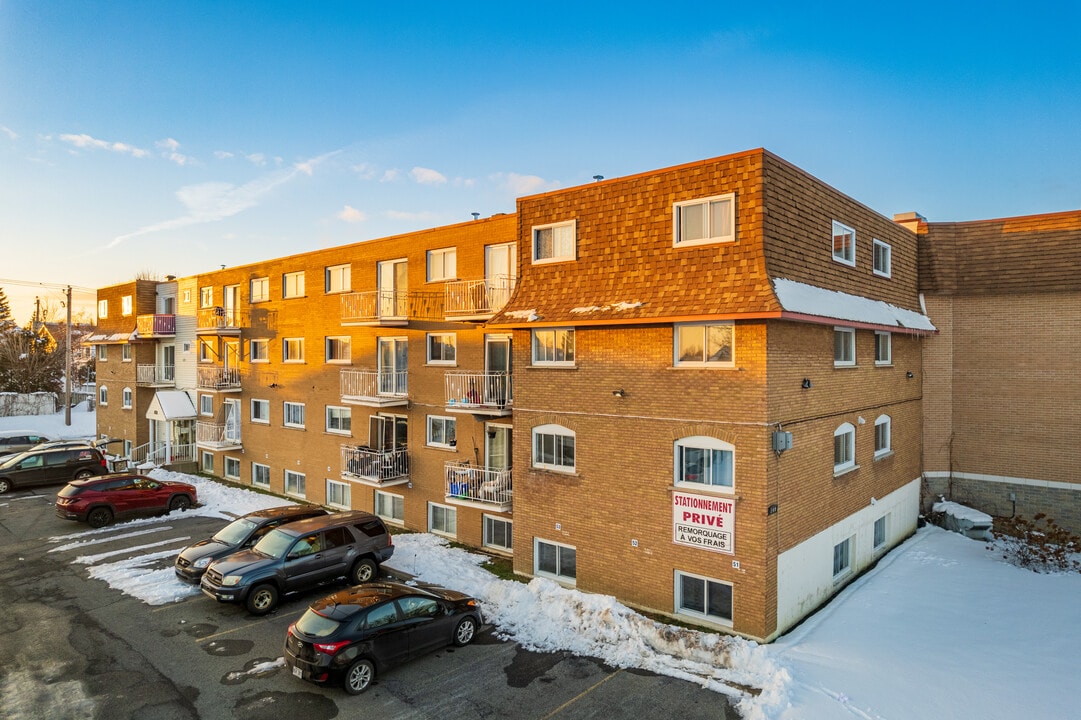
[[347, 637], [242, 533]]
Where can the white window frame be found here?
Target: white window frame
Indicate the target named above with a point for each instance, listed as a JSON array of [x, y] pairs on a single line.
[[558, 433], [687, 331], [880, 532], [126, 305], [712, 234], [437, 428], [263, 417], [845, 252], [705, 443], [844, 352], [883, 347], [442, 264], [842, 558], [234, 464], [206, 297], [338, 495], [447, 340], [103, 395], [883, 436], [259, 356], [559, 254], [127, 448], [103, 353], [682, 609], [260, 475], [844, 457], [449, 517], [125, 398], [488, 523], [206, 462], [337, 279], [882, 258], [338, 349], [396, 505], [259, 289], [294, 482], [292, 285], [293, 350], [555, 333], [335, 415], [206, 405], [206, 351], [560, 578], [291, 409], [103, 309], [125, 352]]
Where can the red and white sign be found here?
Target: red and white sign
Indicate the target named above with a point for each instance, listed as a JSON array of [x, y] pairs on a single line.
[[704, 522]]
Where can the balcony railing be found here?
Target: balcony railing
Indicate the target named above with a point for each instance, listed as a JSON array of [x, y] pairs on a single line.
[[218, 377], [155, 375], [479, 393], [477, 299], [390, 307], [374, 387], [218, 319], [468, 483], [219, 436], [374, 466], [160, 453], [149, 326]]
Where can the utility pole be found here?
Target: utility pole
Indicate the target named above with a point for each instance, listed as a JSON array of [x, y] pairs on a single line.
[[68, 362]]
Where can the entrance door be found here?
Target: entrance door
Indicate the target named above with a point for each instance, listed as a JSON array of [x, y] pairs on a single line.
[[168, 363], [393, 288], [393, 366], [497, 447], [232, 421], [500, 271], [497, 387], [230, 301]]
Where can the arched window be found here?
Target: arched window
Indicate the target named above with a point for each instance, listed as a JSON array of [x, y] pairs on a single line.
[[103, 395], [882, 436], [553, 448], [127, 398], [705, 461], [844, 448]]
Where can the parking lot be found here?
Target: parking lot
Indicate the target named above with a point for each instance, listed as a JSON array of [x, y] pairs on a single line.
[[74, 647]]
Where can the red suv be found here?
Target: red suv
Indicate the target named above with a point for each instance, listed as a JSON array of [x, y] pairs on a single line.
[[100, 500]]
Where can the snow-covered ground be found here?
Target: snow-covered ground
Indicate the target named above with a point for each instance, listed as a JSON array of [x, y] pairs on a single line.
[[942, 627]]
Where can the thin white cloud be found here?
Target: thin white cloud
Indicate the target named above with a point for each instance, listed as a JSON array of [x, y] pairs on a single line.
[[170, 151], [257, 159], [351, 215], [427, 176], [365, 171], [86, 142], [12, 135], [523, 184], [391, 175], [223, 154]]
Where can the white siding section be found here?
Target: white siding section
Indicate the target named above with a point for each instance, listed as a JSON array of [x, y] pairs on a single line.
[[805, 573], [186, 316]]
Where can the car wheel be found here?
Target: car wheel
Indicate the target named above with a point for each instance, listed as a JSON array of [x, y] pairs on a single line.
[[364, 571], [83, 474], [359, 677], [262, 599], [465, 632], [5, 485], [180, 502], [99, 517]]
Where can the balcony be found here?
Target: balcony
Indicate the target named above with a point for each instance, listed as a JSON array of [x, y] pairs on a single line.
[[476, 299], [374, 388], [467, 484], [218, 321], [155, 326], [217, 377], [218, 436], [479, 393], [360, 463], [155, 376], [389, 308]]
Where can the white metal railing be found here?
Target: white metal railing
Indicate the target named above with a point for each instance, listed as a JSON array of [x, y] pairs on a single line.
[[218, 318], [477, 297], [155, 375], [362, 384], [160, 453], [365, 463], [478, 390], [217, 434], [217, 377], [375, 306], [477, 484]]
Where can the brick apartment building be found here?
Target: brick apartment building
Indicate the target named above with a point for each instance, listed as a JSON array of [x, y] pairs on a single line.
[[714, 373]]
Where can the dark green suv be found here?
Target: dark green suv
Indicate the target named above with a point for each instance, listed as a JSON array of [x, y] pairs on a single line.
[[51, 466]]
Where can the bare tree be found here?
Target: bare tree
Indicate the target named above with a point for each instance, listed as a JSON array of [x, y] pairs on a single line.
[[147, 274]]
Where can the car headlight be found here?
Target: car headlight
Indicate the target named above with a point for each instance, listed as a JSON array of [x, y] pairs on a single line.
[[201, 562], [230, 580]]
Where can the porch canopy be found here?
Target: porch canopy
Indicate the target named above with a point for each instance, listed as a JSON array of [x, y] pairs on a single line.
[[171, 405]]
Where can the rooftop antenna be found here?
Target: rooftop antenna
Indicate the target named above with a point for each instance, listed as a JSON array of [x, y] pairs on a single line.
[[475, 215], [598, 178]]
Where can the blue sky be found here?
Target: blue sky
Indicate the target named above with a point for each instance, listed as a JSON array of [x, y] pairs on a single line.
[[175, 137]]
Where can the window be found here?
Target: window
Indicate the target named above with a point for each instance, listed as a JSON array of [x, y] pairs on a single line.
[[390, 507], [842, 557], [442, 519], [125, 352], [442, 348], [260, 289], [844, 244], [187, 296], [206, 464], [498, 533], [880, 532], [844, 347], [258, 352], [553, 448], [883, 348], [710, 220], [293, 285], [705, 345], [206, 297], [441, 431], [339, 420], [206, 351], [882, 436], [293, 350], [125, 305], [553, 347], [339, 349], [442, 264], [337, 279], [882, 260], [103, 395], [703, 598], [705, 461], [260, 411], [206, 404], [844, 448], [338, 494], [294, 483], [294, 415], [260, 475], [103, 353], [127, 448], [103, 309], [555, 561], [232, 468], [554, 243], [126, 398]]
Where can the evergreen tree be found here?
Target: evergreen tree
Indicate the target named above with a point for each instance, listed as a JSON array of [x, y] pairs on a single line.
[[5, 309]]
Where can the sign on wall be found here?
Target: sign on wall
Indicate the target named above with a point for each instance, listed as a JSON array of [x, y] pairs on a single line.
[[703, 522]]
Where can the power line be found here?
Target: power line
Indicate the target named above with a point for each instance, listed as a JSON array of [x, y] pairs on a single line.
[[49, 286]]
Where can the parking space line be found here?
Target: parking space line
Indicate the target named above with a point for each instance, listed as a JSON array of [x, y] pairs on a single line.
[[582, 694]]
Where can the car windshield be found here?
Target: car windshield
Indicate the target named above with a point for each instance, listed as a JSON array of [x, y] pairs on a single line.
[[235, 532], [313, 624], [14, 459], [275, 543]]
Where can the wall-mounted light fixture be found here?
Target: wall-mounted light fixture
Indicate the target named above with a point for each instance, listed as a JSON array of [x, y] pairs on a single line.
[[619, 393], [806, 384], [274, 385], [910, 374]]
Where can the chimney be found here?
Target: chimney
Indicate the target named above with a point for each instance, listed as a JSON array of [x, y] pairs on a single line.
[[910, 220]]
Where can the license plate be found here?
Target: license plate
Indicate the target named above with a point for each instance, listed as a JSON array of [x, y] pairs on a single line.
[[298, 673]]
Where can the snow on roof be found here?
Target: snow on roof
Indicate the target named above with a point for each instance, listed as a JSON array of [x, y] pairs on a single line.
[[170, 405], [797, 297], [616, 306], [962, 512]]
